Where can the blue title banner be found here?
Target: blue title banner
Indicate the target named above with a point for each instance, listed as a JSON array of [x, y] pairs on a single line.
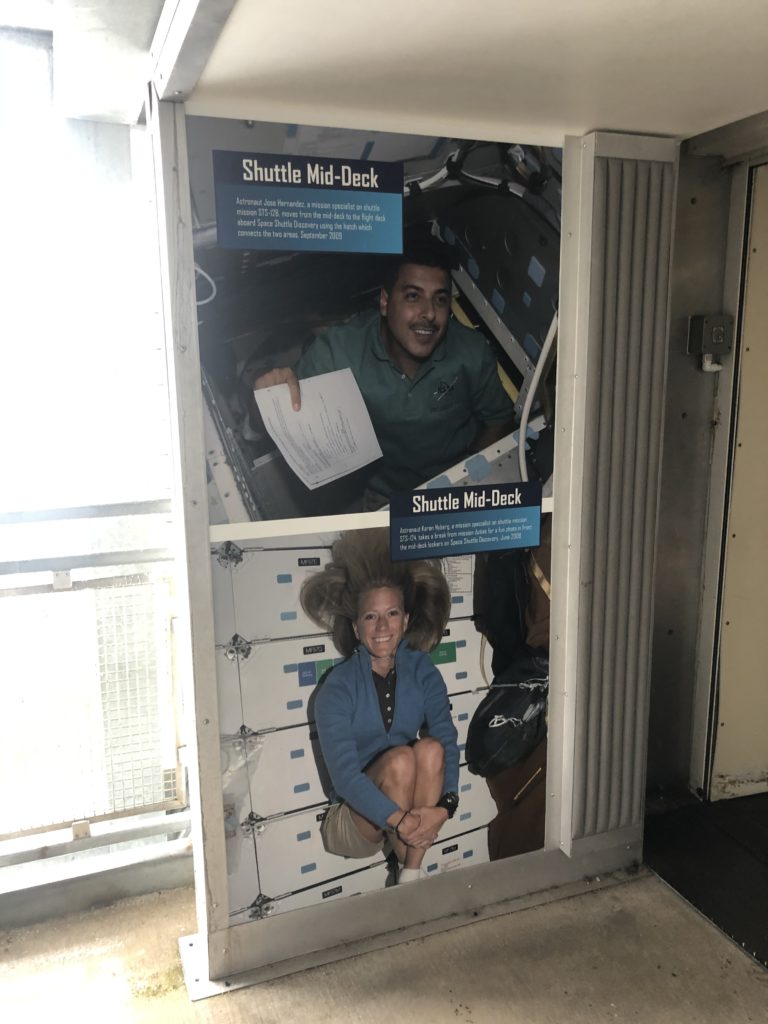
[[320, 204], [447, 521]]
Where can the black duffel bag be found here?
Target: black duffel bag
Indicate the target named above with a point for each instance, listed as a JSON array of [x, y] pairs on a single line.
[[511, 720]]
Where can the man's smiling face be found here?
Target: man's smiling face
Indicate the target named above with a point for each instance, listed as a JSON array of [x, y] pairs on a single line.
[[415, 313]]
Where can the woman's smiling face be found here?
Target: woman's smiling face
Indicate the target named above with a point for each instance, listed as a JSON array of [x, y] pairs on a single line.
[[381, 621]]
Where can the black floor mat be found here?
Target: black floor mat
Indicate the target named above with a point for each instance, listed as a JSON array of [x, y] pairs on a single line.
[[716, 856]]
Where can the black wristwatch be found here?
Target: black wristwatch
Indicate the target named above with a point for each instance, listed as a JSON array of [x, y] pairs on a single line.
[[449, 802]]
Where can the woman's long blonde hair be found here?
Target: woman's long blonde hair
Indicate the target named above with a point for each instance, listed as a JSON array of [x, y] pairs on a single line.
[[360, 562]]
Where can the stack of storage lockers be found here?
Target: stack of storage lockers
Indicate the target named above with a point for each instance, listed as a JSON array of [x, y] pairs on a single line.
[[269, 658]]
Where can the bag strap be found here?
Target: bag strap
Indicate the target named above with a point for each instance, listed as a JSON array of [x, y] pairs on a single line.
[[538, 572]]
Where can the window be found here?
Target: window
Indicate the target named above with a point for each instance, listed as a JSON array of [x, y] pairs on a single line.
[[88, 708]]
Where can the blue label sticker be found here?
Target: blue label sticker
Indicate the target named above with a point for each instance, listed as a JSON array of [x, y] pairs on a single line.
[[531, 347], [536, 272], [440, 481], [478, 468], [307, 674]]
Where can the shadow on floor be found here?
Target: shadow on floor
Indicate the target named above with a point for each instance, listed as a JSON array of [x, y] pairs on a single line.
[[716, 856]]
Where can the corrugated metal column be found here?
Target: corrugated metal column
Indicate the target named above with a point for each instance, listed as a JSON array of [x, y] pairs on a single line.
[[620, 334]]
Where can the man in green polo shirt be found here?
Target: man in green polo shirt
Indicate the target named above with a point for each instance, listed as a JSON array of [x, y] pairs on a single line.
[[431, 386]]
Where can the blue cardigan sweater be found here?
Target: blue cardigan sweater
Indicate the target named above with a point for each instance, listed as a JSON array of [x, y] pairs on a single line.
[[352, 732]]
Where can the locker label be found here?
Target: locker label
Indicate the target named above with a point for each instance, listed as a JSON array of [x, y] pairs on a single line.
[[314, 649], [307, 674], [443, 654], [331, 892], [308, 561]]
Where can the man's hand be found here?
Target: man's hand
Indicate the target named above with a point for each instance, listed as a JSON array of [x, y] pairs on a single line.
[[421, 826], [282, 375]]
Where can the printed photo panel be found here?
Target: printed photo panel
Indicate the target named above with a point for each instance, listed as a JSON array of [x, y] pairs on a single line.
[[444, 387], [475, 686]]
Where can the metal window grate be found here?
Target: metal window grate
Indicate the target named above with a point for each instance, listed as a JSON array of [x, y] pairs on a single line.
[[87, 705]]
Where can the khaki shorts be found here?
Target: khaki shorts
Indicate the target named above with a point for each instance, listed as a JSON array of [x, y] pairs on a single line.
[[342, 836]]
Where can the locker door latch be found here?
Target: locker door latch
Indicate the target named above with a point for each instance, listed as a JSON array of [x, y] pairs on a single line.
[[261, 907], [252, 824], [237, 648], [229, 554]]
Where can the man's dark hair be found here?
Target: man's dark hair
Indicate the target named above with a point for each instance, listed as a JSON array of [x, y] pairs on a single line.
[[422, 248]]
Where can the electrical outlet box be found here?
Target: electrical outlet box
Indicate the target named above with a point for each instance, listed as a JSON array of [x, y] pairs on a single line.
[[710, 335]]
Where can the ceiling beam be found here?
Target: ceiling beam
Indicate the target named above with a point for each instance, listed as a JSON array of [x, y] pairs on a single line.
[[186, 35], [737, 141]]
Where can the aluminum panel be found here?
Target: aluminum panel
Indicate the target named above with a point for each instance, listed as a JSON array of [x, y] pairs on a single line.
[[270, 684], [463, 706], [242, 872], [223, 599], [457, 852], [368, 880], [228, 691], [265, 585], [291, 855], [461, 657], [277, 679], [476, 805], [287, 776]]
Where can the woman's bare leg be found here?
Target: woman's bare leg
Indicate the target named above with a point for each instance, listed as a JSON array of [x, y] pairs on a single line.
[[395, 774], [430, 762], [428, 787], [412, 777]]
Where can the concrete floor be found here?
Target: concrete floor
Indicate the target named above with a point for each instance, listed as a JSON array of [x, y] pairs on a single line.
[[635, 952]]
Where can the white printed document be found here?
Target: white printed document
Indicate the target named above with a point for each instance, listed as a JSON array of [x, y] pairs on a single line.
[[330, 436]]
